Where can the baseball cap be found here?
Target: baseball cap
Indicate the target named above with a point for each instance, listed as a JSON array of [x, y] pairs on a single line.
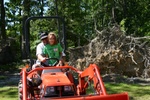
[[43, 35]]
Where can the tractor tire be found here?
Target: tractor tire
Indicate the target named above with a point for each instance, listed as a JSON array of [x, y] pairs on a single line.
[[20, 90]]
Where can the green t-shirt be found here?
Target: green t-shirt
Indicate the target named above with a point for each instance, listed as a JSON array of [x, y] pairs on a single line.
[[53, 51]]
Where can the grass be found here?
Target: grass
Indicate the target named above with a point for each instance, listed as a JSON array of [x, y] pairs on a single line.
[[8, 93], [135, 91], [9, 90]]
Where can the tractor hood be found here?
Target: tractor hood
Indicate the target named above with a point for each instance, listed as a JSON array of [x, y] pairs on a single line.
[[55, 79]]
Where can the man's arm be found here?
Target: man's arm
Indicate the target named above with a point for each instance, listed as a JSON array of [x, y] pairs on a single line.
[[39, 52], [41, 58]]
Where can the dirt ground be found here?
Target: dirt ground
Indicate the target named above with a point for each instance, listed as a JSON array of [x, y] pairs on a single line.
[[12, 79], [9, 79]]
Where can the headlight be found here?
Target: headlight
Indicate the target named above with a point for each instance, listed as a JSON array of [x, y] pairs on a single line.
[[49, 90], [67, 88]]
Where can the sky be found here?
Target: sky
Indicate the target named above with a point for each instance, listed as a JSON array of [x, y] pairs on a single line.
[[6, 0]]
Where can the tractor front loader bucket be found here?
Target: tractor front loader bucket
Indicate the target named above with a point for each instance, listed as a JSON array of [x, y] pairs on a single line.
[[123, 96]]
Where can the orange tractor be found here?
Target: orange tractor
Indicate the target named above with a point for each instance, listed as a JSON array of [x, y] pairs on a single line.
[[57, 83]]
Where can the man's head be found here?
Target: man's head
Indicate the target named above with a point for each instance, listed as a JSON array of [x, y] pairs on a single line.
[[43, 36], [52, 38]]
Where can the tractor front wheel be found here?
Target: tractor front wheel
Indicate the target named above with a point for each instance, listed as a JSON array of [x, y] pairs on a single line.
[[20, 90]]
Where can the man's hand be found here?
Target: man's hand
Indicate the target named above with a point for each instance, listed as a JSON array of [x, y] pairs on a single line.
[[43, 59], [60, 63]]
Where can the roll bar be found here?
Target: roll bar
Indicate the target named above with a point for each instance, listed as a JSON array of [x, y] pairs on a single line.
[[27, 32]]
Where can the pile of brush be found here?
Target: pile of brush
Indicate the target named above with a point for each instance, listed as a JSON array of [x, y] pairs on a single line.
[[114, 52]]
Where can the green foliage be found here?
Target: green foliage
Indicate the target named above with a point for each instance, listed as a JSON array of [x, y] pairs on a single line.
[[122, 25], [82, 17], [11, 66], [3, 77]]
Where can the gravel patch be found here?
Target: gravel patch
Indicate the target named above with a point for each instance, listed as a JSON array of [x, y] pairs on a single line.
[[9, 79], [116, 78], [12, 79]]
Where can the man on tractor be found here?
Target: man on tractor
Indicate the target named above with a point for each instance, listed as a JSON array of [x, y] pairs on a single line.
[[39, 49]]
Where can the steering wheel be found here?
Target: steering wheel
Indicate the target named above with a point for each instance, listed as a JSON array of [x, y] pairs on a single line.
[[48, 59]]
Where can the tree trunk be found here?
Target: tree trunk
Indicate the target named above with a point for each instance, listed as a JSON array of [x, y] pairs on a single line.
[[124, 8], [2, 31], [41, 7], [26, 10], [58, 23]]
